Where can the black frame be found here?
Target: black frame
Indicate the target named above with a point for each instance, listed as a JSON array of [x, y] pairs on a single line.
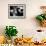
[[13, 15]]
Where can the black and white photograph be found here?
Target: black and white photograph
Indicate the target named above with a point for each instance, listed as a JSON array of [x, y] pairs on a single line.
[[16, 11]]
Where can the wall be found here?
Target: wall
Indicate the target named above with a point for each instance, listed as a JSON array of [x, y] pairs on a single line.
[[25, 26]]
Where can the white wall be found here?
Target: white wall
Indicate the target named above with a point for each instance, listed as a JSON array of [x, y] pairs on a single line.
[[25, 26]]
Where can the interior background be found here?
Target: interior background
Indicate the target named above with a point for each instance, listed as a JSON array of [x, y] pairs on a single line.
[[26, 26]]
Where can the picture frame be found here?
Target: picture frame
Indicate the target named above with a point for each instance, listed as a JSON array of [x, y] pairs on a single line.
[[16, 11]]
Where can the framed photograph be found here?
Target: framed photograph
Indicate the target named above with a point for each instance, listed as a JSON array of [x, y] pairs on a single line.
[[16, 11]]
